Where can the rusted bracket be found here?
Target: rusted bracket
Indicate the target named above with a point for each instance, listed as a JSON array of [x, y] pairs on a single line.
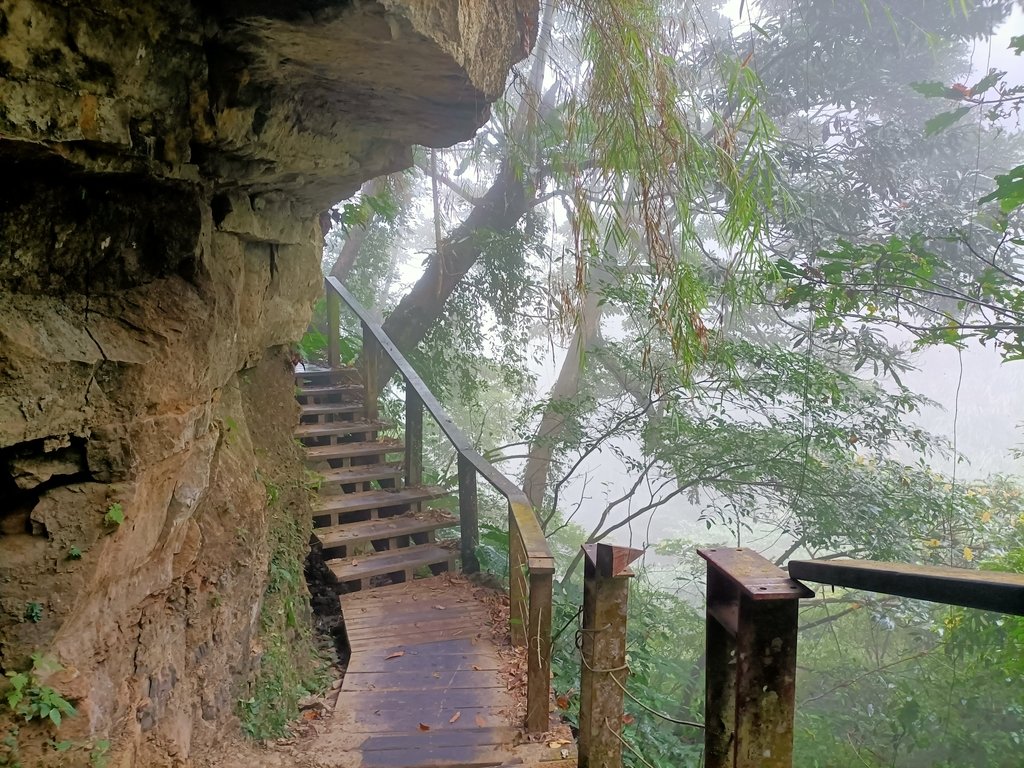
[[752, 613]]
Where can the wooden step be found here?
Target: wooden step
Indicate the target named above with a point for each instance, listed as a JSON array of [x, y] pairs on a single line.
[[322, 390], [342, 503], [332, 409], [363, 473], [351, 534], [366, 449], [313, 374], [399, 561], [340, 428]]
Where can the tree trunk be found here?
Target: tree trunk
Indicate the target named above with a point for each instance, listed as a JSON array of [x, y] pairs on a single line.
[[565, 389], [357, 235], [500, 209]]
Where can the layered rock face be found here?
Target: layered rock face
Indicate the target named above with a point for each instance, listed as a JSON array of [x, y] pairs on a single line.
[[163, 165]]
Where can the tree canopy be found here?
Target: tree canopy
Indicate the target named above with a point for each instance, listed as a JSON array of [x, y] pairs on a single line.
[[730, 228]]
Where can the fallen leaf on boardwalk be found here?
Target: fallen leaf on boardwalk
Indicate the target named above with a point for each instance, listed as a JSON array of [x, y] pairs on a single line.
[[439, 607], [558, 743], [476, 668], [436, 675], [424, 727], [628, 719], [394, 655], [481, 721], [456, 716]]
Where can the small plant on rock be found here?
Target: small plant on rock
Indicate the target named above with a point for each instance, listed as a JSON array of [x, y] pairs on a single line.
[[114, 516], [33, 612], [28, 697]]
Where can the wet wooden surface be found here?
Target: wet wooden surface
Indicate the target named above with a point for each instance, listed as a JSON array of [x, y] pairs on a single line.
[[424, 687]]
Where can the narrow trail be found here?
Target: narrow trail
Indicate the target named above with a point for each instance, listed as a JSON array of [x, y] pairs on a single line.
[[432, 683]]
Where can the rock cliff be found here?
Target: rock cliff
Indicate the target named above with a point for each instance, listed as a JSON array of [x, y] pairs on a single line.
[[163, 165]]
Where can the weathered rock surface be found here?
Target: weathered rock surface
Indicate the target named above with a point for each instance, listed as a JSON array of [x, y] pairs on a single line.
[[163, 166]]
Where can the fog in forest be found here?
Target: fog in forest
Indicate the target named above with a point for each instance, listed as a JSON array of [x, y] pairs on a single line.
[[764, 291]]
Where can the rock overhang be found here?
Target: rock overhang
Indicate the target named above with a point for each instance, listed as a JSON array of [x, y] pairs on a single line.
[[306, 99]]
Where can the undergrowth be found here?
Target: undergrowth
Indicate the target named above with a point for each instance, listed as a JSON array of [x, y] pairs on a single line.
[[290, 666]]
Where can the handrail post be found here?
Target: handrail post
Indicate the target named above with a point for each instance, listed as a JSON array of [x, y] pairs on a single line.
[[469, 521], [538, 652], [750, 701], [518, 583], [413, 437], [333, 326], [371, 361], [603, 668]]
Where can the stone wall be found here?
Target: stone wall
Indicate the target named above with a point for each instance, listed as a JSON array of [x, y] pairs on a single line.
[[162, 167]]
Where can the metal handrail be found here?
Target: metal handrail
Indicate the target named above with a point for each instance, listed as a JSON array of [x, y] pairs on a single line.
[[531, 564], [752, 622]]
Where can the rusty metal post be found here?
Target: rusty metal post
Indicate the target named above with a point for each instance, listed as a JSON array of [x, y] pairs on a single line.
[[538, 654], [371, 385], [603, 669], [469, 515], [413, 437], [752, 614], [333, 326]]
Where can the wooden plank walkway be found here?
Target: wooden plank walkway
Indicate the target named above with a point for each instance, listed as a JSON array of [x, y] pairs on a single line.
[[426, 685]]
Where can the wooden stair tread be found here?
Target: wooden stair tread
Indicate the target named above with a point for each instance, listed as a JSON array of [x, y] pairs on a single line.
[[329, 389], [354, 502], [363, 473], [313, 373], [326, 409], [354, 450], [340, 428], [392, 561], [386, 528]]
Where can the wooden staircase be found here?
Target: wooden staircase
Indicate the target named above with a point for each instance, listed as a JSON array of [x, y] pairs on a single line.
[[374, 528]]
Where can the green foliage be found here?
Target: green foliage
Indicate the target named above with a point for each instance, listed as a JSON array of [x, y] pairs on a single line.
[[1009, 191], [492, 552], [945, 120], [908, 283], [665, 665], [114, 515], [312, 348], [359, 214], [28, 697], [33, 612], [289, 667], [74, 553], [98, 754]]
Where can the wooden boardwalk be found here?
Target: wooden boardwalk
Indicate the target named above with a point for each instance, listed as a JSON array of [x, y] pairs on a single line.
[[427, 685]]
